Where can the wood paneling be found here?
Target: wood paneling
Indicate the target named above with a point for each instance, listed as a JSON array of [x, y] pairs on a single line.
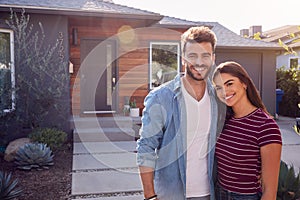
[[132, 57]]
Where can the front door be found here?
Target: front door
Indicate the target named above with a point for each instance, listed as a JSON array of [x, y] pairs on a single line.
[[98, 76]]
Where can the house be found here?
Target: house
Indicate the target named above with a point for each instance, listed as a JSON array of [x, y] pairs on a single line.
[[289, 35], [114, 51]]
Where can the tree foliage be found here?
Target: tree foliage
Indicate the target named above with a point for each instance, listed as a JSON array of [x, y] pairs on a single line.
[[41, 72], [288, 81]]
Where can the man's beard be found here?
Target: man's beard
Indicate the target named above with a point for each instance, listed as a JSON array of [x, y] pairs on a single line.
[[203, 76]]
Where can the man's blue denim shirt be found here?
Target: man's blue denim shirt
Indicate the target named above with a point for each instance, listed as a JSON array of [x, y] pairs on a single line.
[[162, 143]]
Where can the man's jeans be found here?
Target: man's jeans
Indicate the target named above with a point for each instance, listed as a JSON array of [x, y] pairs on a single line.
[[222, 194]]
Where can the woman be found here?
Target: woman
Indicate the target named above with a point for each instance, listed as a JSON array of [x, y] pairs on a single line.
[[249, 148]]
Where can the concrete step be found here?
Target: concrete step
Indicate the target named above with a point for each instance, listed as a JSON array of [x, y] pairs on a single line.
[[104, 122], [131, 197], [116, 161], [103, 182], [104, 147], [104, 134], [104, 130]]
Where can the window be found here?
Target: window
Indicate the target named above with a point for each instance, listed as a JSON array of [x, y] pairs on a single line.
[[164, 62], [294, 62], [7, 71]]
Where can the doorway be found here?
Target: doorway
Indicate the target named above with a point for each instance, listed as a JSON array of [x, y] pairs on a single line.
[[98, 76]]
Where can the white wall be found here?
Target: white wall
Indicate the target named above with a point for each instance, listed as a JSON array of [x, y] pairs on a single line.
[[284, 60]]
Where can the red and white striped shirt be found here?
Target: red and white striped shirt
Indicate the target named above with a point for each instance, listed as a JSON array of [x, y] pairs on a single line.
[[238, 151]]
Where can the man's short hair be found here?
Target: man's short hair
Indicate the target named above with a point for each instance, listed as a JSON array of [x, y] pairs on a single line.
[[198, 34]]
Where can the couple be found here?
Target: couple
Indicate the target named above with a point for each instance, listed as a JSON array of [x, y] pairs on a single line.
[[187, 151]]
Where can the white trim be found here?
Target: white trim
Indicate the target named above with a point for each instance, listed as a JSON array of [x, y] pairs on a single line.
[[99, 112], [150, 58]]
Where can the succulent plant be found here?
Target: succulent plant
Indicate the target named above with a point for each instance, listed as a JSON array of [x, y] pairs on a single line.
[[34, 155], [8, 187], [288, 183]]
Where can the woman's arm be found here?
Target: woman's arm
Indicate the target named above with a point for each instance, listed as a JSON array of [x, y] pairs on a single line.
[[270, 158]]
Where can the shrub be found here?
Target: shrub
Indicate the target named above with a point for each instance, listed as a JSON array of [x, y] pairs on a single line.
[[52, 137], [8, 187], [288, 81], [288, 183], [34, 155], [41, 74]]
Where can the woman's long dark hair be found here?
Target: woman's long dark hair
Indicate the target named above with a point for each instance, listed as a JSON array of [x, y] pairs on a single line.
[[236, 70]]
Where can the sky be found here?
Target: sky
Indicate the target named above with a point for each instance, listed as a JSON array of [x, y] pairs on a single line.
[[233, 14]]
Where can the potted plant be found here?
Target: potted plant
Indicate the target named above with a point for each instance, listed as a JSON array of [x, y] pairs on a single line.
[[134, 110]]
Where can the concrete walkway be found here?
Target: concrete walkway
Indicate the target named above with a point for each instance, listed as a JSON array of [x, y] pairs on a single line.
[[291, 142], [106, 170]]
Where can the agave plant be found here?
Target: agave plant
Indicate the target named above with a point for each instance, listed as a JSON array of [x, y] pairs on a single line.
[[8, 187], [288, 183], [34, 155]]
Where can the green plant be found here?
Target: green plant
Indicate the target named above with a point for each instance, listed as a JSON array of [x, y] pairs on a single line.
[[288, 80], [132, 104], [52, 137], [296, 129], [41, 73], [8, 187], [34, 155], [288, 183], [3, 141]]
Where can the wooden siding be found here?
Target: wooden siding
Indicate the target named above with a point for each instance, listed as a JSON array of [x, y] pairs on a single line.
[[132, 57]]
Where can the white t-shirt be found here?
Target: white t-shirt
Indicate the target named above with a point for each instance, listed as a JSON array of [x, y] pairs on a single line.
[[198, 124]]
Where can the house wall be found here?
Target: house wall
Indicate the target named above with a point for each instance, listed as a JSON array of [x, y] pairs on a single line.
[[260, 66], [133, 60], [131, 57], [284, 60], [269, 81], [133, 64], [55, 29]]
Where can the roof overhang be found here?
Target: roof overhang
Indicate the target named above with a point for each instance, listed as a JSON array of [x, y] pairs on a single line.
[[179, 26], [154, 18], [250, 48]]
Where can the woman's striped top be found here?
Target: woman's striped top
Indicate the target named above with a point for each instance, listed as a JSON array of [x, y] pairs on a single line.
[[238, 151]]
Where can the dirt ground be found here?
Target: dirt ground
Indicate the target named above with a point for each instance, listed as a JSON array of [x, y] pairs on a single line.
[[51, 184]]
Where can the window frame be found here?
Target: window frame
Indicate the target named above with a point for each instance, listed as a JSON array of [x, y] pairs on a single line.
[[175, 43], [293, 58], [12, 68]]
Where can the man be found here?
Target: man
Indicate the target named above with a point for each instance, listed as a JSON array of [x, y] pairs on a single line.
[[179, 127]]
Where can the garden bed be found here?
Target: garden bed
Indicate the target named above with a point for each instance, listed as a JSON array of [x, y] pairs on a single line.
[[54, 183]]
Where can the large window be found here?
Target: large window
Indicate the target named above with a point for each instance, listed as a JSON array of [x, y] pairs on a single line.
[[7, 72], [164, 62]]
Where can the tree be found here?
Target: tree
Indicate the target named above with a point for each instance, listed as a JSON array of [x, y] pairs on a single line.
[[41, 74], [289, 81]]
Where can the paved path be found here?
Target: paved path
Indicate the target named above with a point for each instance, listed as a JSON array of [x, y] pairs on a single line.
[[107, 170], [291, 142]]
